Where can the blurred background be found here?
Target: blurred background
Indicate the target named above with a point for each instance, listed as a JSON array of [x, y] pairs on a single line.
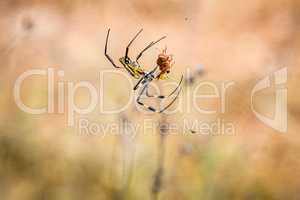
[[241, 41]]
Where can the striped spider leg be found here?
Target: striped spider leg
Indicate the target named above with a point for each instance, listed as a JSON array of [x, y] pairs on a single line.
[[145, 82]]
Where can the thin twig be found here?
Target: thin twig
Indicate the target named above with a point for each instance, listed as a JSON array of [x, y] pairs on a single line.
[[158, 177]]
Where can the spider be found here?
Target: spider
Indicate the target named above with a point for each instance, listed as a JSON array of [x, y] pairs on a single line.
[[145, 77]]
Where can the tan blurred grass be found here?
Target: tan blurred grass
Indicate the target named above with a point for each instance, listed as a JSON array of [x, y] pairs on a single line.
[[240, 41]]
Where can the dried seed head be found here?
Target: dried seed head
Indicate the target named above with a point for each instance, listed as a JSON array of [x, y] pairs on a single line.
[[27, 24]]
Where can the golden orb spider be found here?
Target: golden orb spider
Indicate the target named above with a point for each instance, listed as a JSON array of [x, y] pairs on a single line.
[[145, 78]]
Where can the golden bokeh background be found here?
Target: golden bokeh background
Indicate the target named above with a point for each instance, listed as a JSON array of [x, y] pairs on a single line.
[[241, 41]]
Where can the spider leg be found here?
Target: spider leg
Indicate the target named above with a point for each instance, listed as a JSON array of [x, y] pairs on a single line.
[[127, 48], [145, 88], [143, 78], [165, 108], [147, 47], [138, 83], [165, 96], [154, 69], [105, 51], [138, 100]]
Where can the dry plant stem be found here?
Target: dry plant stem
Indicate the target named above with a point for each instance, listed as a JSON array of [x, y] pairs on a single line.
[[128, 178], [128, 156], [115, 154], [113, 160], [158, 177]]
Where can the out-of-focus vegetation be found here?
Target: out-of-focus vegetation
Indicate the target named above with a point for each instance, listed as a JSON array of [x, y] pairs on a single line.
[[241, 41]]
